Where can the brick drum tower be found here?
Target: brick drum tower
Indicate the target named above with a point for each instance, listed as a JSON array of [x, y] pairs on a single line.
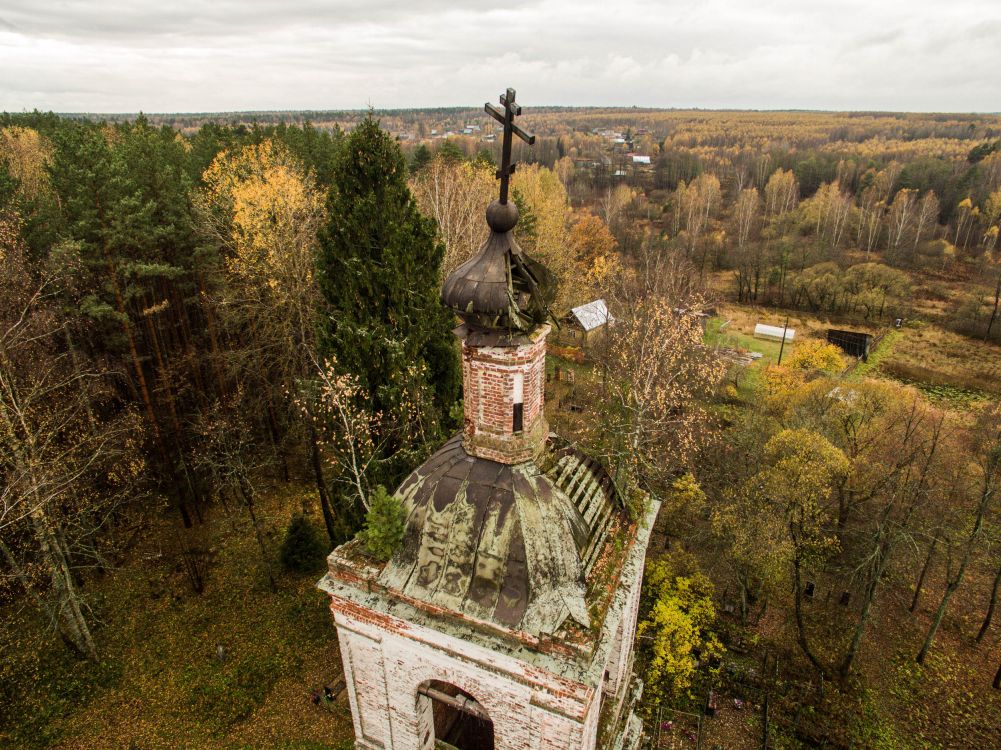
[[506, 619]]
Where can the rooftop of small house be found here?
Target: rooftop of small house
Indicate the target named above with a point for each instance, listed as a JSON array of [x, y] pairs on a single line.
[[592, 315]]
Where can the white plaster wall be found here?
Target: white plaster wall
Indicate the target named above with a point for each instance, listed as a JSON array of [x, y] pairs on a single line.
[[383, 670]]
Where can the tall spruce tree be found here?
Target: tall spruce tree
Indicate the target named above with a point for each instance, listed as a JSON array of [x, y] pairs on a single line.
[[378, 269]]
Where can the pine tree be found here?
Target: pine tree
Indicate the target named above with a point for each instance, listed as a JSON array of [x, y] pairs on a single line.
[[384, 524], [420, 158], [378, 269], [303, 549]]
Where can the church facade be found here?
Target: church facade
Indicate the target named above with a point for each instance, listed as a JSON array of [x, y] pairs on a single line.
[[506, 618]]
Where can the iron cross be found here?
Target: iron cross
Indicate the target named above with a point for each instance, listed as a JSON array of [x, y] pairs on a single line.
[[506, 118]]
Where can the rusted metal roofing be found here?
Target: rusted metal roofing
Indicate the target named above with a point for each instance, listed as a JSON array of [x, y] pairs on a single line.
[[509, 544], [500, 287]]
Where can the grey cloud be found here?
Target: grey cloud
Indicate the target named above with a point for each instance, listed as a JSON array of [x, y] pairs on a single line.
[[195, 56]]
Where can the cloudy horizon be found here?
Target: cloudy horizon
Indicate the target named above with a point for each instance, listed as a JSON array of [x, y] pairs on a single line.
[[118, 56]]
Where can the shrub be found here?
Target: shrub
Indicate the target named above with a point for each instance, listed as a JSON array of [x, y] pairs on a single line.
[[569, 353], [816, 355], [303, 549], [384, 524], [684, 499]]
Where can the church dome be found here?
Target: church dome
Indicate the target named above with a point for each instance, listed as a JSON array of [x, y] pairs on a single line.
[[508, 544], [500, 287]]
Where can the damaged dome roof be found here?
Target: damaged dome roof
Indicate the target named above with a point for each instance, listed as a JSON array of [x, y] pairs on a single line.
[[508, 544]]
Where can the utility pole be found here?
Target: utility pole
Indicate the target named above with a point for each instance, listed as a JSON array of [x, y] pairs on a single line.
[[782, 346]]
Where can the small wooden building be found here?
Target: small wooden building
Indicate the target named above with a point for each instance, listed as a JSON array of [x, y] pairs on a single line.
[[589, 321], [855, 343]]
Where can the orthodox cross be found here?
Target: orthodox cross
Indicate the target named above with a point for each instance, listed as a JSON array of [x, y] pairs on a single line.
[[506, 118]]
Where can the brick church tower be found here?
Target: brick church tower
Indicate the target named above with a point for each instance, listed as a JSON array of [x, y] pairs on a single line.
[[506, 619]]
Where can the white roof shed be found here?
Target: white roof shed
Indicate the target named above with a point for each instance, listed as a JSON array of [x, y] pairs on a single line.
[[773, 333], [592, 315]]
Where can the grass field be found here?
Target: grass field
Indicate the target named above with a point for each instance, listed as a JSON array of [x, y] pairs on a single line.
[[931, 356], [718, 333], [160, 683]]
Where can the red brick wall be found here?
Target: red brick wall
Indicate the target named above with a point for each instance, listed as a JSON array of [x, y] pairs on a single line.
[[488, 375]]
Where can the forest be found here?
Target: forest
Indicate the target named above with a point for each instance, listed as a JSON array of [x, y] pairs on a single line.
[[221, 342]]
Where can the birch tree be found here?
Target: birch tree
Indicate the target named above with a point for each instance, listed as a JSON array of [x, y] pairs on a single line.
[[455, 193], [53, 450]]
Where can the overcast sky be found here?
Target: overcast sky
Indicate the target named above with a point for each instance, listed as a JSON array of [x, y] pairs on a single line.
[[184, 56]]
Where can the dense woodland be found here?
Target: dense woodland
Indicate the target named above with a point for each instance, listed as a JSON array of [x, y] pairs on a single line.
[[223, 333]]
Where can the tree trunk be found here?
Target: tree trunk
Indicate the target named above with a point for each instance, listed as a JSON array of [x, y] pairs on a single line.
[[321, 485], [72, 624], [990, 607], [143, 388], [978, 524], [870, 596], [174, 422], [800, 624], [994, 312], [950, 589], [248, 496], [276, 439], [997, 679], [924, 572]]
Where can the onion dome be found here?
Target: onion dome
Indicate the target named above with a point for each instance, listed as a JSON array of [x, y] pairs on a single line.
[[506, 544], [500, 287]]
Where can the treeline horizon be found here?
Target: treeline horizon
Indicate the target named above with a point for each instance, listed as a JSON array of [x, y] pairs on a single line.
[[544, 108]]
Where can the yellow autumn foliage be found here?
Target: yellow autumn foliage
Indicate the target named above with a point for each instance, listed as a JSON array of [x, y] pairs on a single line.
[[263, 209], [801, 468], [273, 204], [678, 627], [546, 197], [26, 154], [816, 355]]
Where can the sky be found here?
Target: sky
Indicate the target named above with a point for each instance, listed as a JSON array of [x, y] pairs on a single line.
[[186, 56]]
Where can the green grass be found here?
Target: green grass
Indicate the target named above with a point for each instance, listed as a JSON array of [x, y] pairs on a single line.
[[877, 355], [735, 340]]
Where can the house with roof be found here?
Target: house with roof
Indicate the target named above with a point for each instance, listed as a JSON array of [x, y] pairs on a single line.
[[587, 322]]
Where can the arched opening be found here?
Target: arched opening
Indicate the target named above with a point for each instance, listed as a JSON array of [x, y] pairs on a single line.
[[449, 718]]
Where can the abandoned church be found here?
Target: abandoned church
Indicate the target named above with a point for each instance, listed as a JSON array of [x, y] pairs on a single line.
[[505, 619]]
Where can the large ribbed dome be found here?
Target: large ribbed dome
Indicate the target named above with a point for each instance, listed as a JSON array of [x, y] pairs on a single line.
[[509, 544]]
